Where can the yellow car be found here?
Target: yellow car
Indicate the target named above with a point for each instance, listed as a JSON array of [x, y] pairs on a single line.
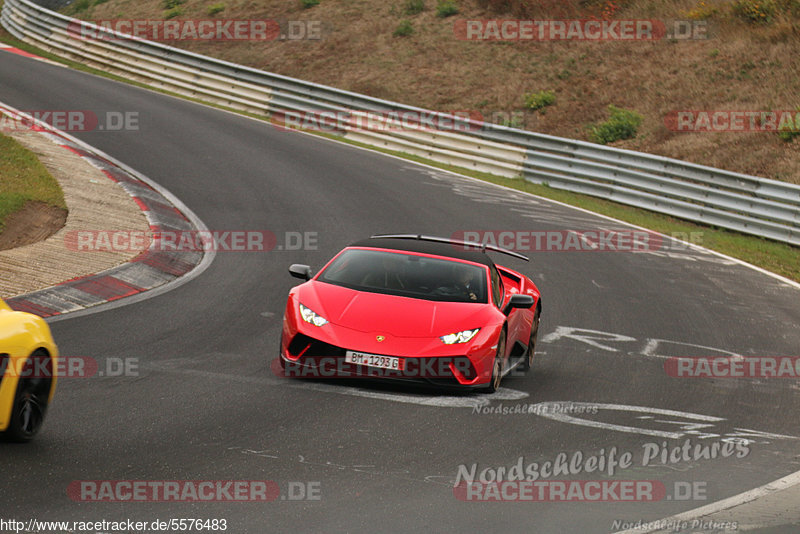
[[28, 365]]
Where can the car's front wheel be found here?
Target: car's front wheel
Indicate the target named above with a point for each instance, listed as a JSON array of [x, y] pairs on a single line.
[[497, 366]]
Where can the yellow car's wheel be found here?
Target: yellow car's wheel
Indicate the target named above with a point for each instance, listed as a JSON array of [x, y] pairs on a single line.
[[30, 402]]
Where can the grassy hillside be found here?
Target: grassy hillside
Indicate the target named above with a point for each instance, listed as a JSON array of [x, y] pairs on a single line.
[[408, 51], [24, 179]]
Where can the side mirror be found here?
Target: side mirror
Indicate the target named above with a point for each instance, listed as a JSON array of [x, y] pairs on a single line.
[[302, 272], [518, 301]]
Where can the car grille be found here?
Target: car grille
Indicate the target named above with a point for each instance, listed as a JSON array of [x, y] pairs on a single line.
[[329, 360], [308, 347]]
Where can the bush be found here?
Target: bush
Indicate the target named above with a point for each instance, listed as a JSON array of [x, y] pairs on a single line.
[[404, 29], [788, 132], [215, 8], [414, 7], [446, 8], [622, 124], [172, 13], [540, 100], [306, 4], [755, 11], [172, 4]]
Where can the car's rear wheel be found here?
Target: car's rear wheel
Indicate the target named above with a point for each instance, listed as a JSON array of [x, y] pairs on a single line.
[[30, 402], [497, 366], [527, 361]]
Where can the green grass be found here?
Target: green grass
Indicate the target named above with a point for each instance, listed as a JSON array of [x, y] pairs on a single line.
[[404, 29], [414, 7], [23, 179], [623, 124], [770, 255], [172, 13], [446, 8], [542, 99], [215, 9]]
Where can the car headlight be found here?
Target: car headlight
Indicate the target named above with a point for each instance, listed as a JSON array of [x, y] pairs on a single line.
[[459, 337], [310, 316]]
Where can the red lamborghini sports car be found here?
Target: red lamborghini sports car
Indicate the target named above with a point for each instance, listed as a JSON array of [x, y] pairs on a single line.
[[411, 307]]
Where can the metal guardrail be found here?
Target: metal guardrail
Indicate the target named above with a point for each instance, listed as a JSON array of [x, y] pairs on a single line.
[[749, 204]]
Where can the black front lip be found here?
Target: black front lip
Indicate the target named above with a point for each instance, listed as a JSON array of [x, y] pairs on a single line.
[[442, 383]]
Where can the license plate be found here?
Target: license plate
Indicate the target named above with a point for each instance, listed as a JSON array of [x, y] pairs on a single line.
[[374, 360]]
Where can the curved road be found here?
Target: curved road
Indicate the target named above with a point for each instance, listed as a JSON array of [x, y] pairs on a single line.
[[204, 404]]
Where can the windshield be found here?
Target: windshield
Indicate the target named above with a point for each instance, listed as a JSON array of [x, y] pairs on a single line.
[[407, 275]]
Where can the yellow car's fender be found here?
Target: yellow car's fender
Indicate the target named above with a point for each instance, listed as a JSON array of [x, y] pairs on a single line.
[[22, 335]]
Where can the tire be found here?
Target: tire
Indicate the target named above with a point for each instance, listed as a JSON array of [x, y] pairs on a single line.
[[497, 366], [30, 402], [280, 354], [527, 361]]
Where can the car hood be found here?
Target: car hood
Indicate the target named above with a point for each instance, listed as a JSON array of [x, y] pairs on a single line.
[[390, 314]]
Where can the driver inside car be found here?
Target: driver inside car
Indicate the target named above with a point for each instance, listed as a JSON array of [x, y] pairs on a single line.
[[389, 276], [466, 282]]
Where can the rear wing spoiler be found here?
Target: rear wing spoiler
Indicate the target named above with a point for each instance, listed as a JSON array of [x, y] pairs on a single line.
[[483, 247]]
